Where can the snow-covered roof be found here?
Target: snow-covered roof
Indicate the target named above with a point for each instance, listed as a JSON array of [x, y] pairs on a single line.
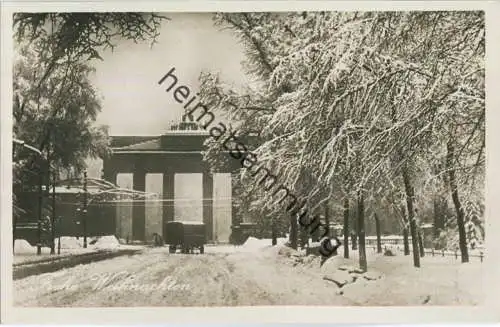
[[146, 145]]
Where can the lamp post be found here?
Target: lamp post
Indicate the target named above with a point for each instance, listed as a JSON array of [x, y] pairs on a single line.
[[84, 211], [53, 222], [54, 180], [40, 208], [59, 223]]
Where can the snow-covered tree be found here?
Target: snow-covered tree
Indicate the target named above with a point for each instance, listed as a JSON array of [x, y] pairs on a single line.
[[352, 99]]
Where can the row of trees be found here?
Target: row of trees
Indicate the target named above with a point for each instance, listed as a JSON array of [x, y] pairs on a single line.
[[55, 104], [373, 110]]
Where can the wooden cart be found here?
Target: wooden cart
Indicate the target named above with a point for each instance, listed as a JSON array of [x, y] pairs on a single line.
[[185, 235]]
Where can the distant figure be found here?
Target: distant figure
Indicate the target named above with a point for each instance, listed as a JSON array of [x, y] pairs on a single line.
[[388, 252], [157, 240]]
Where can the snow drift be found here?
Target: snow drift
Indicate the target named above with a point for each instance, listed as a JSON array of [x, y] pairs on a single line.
[[22, 246], [253, 243], [107, 242], [68, 242]]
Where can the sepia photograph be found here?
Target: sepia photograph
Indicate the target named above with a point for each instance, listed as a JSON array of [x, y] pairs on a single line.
[[233, 159]]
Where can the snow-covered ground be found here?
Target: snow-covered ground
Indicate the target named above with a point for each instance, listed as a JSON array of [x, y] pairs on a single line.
[[255, 273], [252, 244], [24, 252], [439, 280]]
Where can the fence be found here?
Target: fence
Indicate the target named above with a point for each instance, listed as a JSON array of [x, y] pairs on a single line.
[[436, 253], [391, 240]]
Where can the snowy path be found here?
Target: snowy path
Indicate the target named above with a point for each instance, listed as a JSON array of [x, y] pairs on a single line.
[[249, 275], [222, 277]]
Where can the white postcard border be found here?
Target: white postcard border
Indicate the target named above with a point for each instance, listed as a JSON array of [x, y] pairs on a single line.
[[297, 314]]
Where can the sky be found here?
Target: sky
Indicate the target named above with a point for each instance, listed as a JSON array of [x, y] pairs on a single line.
[[127, 78]]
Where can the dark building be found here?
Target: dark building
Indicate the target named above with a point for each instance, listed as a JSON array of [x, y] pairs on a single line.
[[182, 187]]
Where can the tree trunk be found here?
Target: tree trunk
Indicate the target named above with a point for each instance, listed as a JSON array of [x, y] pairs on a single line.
[[354, 234], [48, 234], [53, 220], [327, 220], [437, 217], [440, 204], [274, 234], [377, 227], [293, 231], [85, 209], [462, 237], [405, 231], [40, 209], [421, 244], [411, 217], [303, 236], [361, 232], [14, 232], [440, 207], [346, 228], [354, 240]]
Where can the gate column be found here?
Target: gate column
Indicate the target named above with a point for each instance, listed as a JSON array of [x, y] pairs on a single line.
[[235, 213], [168, 197], [208, 204], [139, 208]]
